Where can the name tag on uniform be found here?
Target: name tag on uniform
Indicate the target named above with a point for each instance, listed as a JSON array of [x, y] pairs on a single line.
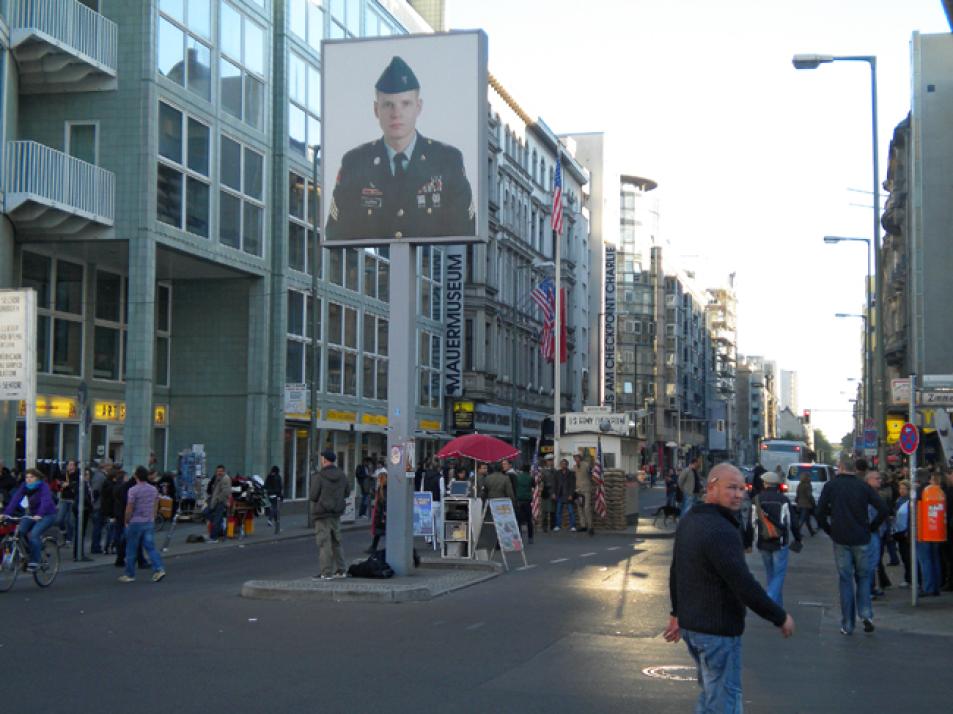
[[369, 202]]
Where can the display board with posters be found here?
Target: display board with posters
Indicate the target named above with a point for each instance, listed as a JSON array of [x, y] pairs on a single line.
[[507, 529], [404, 139], [423, 514]]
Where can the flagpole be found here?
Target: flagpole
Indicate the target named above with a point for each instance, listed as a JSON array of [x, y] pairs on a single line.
[[557, 356]]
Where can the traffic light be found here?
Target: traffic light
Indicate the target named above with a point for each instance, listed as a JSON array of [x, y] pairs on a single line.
[[807, 416]]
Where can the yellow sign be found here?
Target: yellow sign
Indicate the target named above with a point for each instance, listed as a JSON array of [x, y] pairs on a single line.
[[376, 419], [300, 416], [109, 411], [429, 425], [52, 408], [160, 415], [335, 415], [463, 406], [894, 425]]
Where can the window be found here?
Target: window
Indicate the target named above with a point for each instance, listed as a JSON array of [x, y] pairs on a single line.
[[108, 341], [375, 357], [306, 20], [376, 24], [182, 55], [81, 141], [342, 350], [299, 363], [59, 321], [241, 198], [163, 354], [468, 345], [345, 18], [428, 361], [302, 215], [377, 273], [430, 270], [182, 190], [304, 114], [242, 67]]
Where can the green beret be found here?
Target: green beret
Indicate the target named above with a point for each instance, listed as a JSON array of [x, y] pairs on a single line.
[[397, 77]]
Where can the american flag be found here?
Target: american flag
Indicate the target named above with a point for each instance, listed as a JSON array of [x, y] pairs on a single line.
[[599, 482], [537, 487], [544, 295], [558, 198]]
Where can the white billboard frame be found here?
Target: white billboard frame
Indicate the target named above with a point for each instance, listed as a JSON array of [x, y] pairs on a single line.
[[350, 69]]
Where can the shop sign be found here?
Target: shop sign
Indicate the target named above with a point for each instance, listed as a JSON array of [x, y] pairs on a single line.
[[581, 421], [297, 398], [423, 514], [463, 416], [17, 361], [430, 425], [52, 408], [109, 411], [335, 415], [374, 419], [608, 338], [160, 415], [894, 425]]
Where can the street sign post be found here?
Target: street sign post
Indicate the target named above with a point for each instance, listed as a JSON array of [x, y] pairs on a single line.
[[912, 508], [909, 438]]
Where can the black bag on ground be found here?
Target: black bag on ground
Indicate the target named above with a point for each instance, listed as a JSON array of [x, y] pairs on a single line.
[[373, 567]]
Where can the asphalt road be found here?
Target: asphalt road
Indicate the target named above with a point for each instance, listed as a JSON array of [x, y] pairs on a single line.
[[573, 633]]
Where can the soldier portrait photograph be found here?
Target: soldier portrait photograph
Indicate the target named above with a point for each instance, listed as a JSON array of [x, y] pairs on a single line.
[[403, 182]]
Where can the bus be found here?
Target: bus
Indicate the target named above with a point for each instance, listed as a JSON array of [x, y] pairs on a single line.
[[783, 453]]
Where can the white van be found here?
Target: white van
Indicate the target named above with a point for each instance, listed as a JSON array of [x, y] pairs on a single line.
[[820, 474], [783, 453]]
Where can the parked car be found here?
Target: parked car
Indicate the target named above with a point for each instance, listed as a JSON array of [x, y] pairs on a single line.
[[820, 474]]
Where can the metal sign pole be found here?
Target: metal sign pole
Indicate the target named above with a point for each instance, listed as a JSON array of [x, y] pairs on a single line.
[[81, 456], [401, 412], [913, 498]]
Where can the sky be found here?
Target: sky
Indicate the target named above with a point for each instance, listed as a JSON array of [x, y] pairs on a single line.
[[755, 161]]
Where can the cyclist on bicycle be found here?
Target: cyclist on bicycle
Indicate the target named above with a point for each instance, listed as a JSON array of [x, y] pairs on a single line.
[[36, 500]]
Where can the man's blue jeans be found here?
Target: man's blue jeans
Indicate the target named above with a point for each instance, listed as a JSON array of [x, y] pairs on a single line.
[[719, 672], [873, 556], [928, 558], [97, 541], [144, 533], [33, 532], [216, 516], [559, 513], [853, 569], [775, 568], [687, 502]]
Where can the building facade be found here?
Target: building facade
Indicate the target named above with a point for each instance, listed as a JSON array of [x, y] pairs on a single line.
[[164, 207]]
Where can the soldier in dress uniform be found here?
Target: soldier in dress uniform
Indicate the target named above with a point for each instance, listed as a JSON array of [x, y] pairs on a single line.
[[403, 184]]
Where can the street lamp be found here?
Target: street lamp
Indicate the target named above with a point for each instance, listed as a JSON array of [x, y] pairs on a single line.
[[813, 61], [868, 352]]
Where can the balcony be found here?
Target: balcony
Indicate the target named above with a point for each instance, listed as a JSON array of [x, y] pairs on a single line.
[[62, 46], [49, 193]]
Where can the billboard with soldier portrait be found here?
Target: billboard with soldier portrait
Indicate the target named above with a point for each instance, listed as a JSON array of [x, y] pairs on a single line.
[[404, 141]]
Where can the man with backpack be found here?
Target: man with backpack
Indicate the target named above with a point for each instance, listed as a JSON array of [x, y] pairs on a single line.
[[329, 492], [772, 524]]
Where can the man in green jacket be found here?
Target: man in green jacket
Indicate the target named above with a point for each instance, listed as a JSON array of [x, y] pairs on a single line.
[[329, 491], [524, 500]]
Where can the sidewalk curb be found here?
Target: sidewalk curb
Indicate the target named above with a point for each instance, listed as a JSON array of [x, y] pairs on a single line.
[[386, 591]]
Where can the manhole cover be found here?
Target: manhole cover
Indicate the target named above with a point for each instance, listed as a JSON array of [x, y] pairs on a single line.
[[677, 672]]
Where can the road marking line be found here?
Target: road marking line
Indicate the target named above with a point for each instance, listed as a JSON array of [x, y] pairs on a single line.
[[587, 555], [475, 626], [528, 567], [559, 560], [614, 547]]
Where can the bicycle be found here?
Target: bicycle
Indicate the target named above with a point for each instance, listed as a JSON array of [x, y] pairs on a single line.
[[15, 555]]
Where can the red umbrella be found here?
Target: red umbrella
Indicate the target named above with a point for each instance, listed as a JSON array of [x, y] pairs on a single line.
[[479, 447]]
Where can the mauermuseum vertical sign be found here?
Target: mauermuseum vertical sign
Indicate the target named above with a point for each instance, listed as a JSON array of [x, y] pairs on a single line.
[[608, 334], [17, 360], [454, 326]]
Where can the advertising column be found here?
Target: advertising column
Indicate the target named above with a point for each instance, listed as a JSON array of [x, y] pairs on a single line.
[[404, 146]]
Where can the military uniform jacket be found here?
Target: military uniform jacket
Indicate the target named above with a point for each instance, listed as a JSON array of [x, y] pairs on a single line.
[[432, 198]]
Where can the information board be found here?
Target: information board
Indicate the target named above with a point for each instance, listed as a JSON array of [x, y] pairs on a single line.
[[507, 529], [423, 514]]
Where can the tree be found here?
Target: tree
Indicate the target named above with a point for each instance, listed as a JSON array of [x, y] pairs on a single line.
[[822, 447]]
